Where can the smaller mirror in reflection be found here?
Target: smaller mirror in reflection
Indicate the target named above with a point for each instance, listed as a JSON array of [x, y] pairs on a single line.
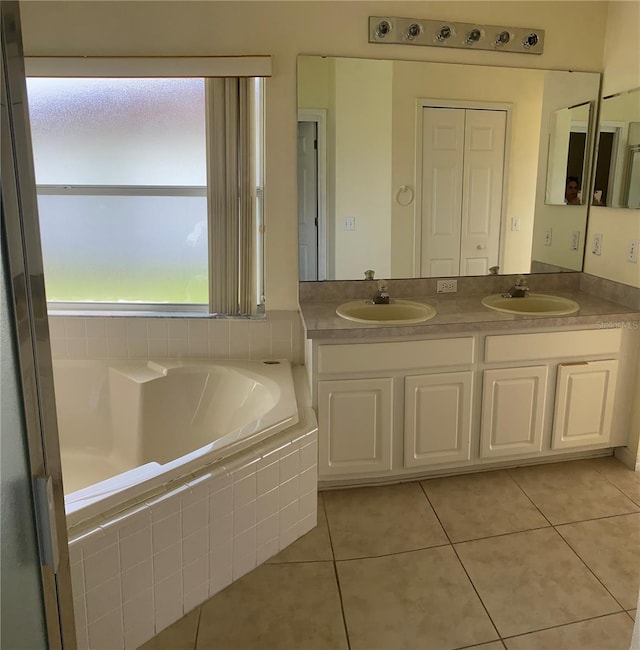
[[617, 173], [568, 154]]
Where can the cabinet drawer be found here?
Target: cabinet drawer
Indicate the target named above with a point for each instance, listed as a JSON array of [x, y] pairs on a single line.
[[405, 355], [550, 345]]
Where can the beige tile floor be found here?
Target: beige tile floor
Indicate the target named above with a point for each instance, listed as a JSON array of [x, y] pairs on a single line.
[[533, 558]]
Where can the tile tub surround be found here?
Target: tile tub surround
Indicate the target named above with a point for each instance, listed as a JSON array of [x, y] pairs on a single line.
[[525, 584], [277, 336], [138, 572], [457, 312]]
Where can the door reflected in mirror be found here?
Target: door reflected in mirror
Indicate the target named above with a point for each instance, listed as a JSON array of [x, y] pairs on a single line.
[[411, 196], [617, 172]]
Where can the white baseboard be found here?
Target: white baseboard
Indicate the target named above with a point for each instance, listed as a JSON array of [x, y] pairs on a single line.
[[624, 455]]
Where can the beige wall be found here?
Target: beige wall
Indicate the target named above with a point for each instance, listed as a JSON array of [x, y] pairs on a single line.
[[284, 30], [618, 226]]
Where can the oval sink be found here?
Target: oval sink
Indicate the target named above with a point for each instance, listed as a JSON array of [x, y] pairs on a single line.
[[532, 304], [398, 312]]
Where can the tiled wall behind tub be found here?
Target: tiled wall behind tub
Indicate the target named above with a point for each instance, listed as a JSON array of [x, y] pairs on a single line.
[[136, 573], [278, 336]]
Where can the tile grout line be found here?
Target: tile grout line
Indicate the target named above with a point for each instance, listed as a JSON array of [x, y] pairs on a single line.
[[606, 478], [560, 625], [535, 505], [589, 569], [335, 571], [577, 521], [460, 561], [568, 523], [195, 641]]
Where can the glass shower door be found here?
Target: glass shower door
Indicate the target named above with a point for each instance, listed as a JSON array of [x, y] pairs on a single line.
[[35, 583]]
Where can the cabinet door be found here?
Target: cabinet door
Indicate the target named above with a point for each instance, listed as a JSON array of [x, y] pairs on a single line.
[[512, 411], [354, 426], [584, 403], [437, 418]]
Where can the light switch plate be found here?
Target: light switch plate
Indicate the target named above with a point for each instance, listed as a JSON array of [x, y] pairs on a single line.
[[632, 252], [596, 246]]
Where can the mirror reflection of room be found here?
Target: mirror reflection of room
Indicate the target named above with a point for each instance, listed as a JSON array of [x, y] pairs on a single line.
[[617, 171], [378, 195], [567, 159]]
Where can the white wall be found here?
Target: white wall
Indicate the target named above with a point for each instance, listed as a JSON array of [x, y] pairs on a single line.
[[618, 226], [284, 30]]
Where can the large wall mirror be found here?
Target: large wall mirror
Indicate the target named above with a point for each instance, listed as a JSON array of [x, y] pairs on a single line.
[[418, 169], [617, 173]]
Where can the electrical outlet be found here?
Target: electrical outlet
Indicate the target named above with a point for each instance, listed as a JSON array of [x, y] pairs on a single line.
[[575, 240], [446, 286], [596, 247], [515, 224], [547, 237], [349, 223], [632, 253]]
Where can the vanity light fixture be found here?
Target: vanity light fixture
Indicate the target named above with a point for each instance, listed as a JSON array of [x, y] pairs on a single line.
[[473, 36], [383, 29], [502, 38], [413, 31], [444, 33]]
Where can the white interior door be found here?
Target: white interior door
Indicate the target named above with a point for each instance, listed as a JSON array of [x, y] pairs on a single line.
[[462, 177], [307, 201], [442, 161], [482, 190]]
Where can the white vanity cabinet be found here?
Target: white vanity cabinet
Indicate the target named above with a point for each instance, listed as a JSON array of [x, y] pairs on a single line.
[[384, 407], [405, 408], [513, 401], [356, 416], [584, 403], [437, 418], [557, 392]]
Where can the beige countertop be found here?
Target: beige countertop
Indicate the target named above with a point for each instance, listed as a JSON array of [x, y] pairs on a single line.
[[466, 314]]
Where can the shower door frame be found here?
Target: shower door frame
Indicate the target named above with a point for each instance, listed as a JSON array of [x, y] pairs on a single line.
[[31, 329]]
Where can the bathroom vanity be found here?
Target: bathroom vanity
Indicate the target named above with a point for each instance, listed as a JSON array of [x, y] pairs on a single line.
[[469, 388]]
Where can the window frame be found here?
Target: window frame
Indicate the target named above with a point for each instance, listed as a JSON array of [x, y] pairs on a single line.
[[257, 67]]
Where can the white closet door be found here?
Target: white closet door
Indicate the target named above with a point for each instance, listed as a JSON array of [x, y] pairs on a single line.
[[442, 160], [482, 190]]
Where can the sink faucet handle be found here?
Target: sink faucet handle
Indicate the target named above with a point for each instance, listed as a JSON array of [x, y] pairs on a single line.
[[521, 281], [368, 275], [382, 286]]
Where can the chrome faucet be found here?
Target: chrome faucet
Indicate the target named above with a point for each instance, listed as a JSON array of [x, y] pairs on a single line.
[[518, 290], [381, 296]]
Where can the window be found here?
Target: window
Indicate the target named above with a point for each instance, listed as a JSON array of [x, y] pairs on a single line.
[[129, 197]]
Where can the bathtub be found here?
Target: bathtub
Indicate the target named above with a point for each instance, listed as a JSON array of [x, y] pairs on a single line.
[[129, 428]]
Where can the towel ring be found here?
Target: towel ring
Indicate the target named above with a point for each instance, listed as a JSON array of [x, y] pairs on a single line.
[[404, 189]]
